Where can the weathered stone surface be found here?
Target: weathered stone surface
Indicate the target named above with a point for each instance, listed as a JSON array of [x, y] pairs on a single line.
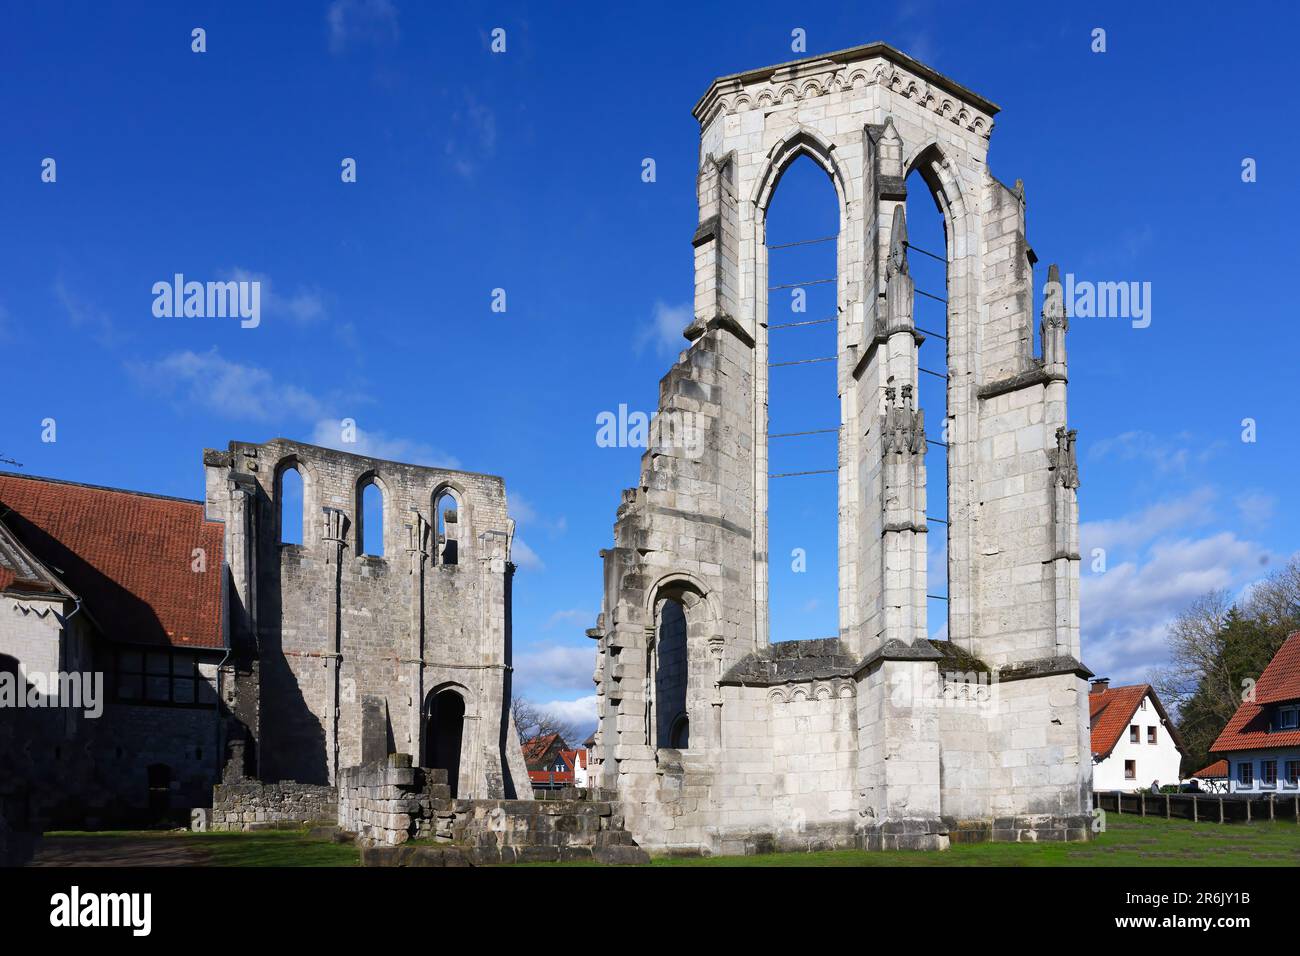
[[338, 656], [720, 736]]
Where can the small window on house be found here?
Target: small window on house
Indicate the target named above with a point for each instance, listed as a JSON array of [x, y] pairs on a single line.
[[1151, 735], [1134, 734], [1293, 772], [1289, 718], [1246, 774], [371, 532], [1130, 769], [1143, 705], [1268, 773], [290, 494]]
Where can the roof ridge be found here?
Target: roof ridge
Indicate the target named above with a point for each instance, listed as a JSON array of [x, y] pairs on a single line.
[[83, 484]]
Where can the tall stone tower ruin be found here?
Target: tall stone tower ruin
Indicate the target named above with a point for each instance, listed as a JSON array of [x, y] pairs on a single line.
[[724, 737]]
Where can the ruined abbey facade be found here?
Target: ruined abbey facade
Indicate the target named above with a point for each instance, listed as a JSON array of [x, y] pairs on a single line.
[[353, 642], [721, 736]]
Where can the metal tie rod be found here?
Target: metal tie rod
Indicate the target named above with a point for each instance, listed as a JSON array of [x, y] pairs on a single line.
[[829, 358], [791, 325], [935, 374], [935, 520], [802, 242], [919, 292], [938, 597], [924, 252], [796, 474], [935, 441], [815, 431], [799, 285], [935, 335]]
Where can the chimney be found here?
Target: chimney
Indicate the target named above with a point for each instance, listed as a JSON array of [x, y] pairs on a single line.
[[1100, 685]]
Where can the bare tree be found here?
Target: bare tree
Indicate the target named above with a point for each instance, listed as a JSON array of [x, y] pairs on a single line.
[[533, 721], [1217, 649], [1196, 659], [1275, 601]]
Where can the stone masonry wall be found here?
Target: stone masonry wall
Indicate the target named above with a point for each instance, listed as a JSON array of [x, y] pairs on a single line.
[[890, 768], [329, 626], [391, 803], [250, 805]]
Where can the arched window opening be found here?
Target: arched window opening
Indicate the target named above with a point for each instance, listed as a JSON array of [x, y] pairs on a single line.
[[447, 517], [803, 407], [681, 733], [444, 728], [671, 671], [370, 530], [290, 497], [927, 260]]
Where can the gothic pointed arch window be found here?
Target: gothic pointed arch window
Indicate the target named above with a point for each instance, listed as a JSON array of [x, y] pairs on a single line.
[[290, 501], [927, 260], [802, 227], [451, 532], [371, 510]]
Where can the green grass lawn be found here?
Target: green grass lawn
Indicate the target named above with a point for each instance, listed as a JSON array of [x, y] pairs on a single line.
[[1128, 841], [183, 848]]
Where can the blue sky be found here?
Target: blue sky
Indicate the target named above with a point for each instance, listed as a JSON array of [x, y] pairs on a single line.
[[522, 171]]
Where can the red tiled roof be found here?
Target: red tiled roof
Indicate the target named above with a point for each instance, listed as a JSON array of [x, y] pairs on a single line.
[[1217, 769], [1248, 728], [550, 776], [536, 749], [1281, 678], [1109, 714], [127, 555]]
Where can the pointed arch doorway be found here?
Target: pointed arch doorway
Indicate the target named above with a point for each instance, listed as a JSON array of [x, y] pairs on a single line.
[[444, 726]]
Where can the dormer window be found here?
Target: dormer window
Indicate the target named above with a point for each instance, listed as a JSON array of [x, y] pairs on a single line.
[[1288, 718]]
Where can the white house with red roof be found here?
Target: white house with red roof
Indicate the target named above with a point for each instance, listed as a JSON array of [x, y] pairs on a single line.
[[1134, 743], [1261, 743]]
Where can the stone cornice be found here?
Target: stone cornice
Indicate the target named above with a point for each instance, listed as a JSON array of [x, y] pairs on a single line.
[[870, 64], [1037, 375], [1043, 667]]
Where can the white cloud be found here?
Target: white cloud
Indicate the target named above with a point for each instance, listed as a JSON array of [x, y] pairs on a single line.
[[663, 332], [522, 510], [1135, 530], [556, 666], [1256, 508], [328, 433], [84, 315], [237, 391], [352, 21], [577, 615], [525, 557], [230, 389], [1164, 455], [582, 711], [305, 306], [472, 136], [1126, 611]]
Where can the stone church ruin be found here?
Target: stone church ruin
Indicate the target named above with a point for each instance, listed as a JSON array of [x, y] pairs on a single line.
[[721, 736], [277, 659]]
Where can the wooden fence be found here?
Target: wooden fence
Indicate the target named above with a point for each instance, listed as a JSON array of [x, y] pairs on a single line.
[[1201, 807]]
